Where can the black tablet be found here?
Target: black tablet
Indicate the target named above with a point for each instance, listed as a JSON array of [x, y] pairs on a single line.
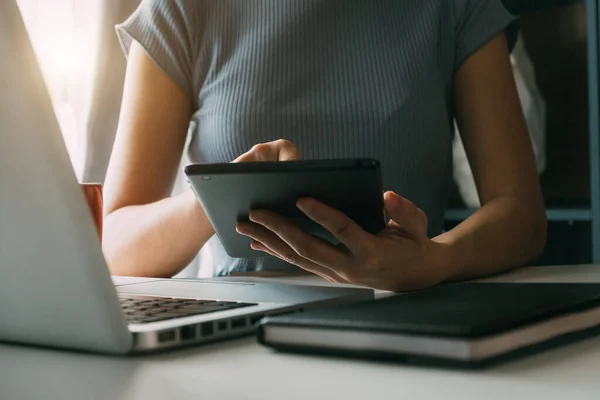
[[228, 192]]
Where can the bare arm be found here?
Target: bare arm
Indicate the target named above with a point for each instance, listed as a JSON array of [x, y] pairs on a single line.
[[146, 232], [510, 228]]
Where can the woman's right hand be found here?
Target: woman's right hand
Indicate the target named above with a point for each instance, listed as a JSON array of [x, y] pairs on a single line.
[[278, 150]]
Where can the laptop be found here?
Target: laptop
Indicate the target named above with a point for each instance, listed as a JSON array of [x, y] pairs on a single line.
[[55, 287]]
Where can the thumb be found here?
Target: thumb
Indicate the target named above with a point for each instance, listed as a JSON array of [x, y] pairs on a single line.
[[405, 214]]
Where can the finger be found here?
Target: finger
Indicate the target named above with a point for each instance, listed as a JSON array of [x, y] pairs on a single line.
[[307, 265], [267, 241], [260, 234], [246, 157], [405, 214], [305, 245], [270, 241], [259, 152], [278, 150], [348, 232], [258, 246], [287, 150], [273, 243]]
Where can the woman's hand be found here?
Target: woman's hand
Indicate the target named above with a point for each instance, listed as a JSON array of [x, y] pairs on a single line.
[[278, 150], [399, 258]]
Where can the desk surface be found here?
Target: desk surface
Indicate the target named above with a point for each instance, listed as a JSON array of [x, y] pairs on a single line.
[[240, 369]]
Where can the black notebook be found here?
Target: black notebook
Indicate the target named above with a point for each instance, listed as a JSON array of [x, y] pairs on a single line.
[[466, 324]]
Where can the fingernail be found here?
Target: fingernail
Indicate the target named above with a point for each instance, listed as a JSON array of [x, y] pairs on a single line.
[[255, 216], [243, 229], [304, 205]]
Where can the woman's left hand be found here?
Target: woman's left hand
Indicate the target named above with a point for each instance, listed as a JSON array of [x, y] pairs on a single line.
[[399, 258]]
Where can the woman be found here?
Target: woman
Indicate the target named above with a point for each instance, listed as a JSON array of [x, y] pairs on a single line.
[[263, 80]]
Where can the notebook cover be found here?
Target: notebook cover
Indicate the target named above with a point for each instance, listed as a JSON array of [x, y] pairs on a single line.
[[465, 310], [420, 360]]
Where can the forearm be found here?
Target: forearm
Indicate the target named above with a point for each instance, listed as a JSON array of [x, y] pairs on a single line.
[[157, 239], [503, 234]]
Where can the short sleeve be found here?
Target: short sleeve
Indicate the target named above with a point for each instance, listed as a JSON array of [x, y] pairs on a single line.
[[476, 23], [164, 28]]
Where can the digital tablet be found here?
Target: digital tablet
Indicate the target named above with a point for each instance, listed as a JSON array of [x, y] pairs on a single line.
[[228, 192]]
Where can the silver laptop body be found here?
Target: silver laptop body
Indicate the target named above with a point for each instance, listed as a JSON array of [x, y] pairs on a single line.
[[55, 288]]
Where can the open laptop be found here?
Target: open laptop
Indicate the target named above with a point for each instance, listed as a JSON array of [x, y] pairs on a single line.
[[55, 288]]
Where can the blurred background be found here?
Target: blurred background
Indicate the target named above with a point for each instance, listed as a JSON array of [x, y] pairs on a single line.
[[84, 67]]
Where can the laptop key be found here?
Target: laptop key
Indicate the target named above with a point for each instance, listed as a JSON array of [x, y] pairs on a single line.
[[196, 302], [199, 311], [159, 310], [166, 315], [199, 306]]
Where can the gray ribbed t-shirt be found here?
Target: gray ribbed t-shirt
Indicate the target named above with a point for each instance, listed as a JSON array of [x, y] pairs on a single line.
[[339, 78]]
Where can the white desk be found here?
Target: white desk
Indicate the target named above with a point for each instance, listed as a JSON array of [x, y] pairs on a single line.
[[240, 369]]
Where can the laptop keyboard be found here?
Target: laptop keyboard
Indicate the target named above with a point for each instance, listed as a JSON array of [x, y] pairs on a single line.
[[144, 309]]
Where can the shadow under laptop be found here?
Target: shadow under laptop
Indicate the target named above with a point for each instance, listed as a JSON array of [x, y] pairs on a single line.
[[34, 372]]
